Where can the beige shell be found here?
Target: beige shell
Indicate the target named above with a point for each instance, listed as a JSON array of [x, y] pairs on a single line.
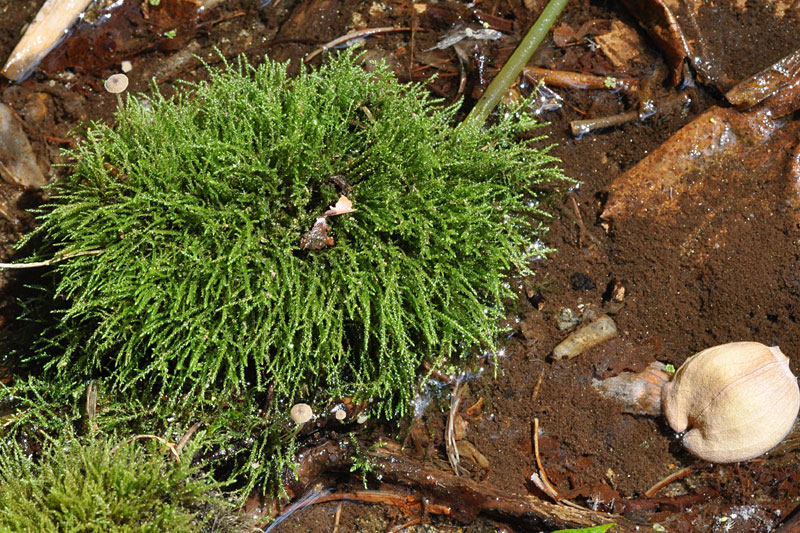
[[736, 400]]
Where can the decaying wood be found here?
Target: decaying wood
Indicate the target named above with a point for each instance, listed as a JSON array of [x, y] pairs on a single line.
[[464, 497]]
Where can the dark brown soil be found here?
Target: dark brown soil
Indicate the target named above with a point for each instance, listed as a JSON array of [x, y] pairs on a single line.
[[722, 267]]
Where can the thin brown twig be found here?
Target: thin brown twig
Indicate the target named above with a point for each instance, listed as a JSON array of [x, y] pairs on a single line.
[[583, 235], [579, 80], [683, 472], [401, 527], [366, 32], [375, 496], [438, 374], [49, 262], [667, 106], [537, 387], [337, 518]]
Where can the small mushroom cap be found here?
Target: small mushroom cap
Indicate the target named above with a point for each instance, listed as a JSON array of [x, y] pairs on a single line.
[[735, 401], [301, 413], [340, 414], [116, 84]]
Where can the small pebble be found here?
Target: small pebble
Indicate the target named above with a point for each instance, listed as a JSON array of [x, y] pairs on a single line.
[[567, 319], [126, 66]]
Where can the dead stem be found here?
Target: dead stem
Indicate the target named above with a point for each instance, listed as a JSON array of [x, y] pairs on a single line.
[[663, 107], [337, 518], [170, 446], [367, 496], [579, 80], [537, 387], [450, 435], [349, 36], [667, 480], [48, 262], [185, 440]]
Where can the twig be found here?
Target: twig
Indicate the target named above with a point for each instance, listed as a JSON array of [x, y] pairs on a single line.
[[579, 127], [500, 84], [366, 496], [438, 374], [366, 32], [683, 472], [464, 498], [49, 262], [401, 527], [541, 481], [337, 518], [579, 80], [537, 387]]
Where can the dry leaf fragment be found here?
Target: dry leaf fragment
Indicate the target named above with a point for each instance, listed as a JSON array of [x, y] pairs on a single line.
[[317, 238], [343, 205]]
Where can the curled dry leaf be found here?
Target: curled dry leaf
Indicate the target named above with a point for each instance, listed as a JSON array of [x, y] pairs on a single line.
[[343, 205]]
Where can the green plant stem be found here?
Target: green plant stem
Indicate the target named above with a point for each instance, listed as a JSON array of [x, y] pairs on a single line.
[[500, 84]]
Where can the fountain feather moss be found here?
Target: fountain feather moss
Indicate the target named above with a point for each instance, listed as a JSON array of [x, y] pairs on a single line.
[[199, 204]]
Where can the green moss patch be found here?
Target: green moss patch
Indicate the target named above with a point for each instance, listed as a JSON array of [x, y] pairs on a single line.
[[220, 281], [93, 486]]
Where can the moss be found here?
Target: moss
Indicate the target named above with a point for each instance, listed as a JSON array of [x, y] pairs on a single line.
[[205, 291], [89, 485]]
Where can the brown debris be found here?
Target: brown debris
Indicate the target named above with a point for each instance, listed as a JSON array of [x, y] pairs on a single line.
[[579, 80], [663, 28], [622, 45], [127, 31], [464, 497], [317, 237], [769, 82]]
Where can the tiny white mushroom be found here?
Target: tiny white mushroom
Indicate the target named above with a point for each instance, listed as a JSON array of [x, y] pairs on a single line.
[[340, 414], [126, 66], [301, 413], [117, 84]]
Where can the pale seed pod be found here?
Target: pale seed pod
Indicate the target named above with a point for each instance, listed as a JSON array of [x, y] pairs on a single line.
[[735, 401]]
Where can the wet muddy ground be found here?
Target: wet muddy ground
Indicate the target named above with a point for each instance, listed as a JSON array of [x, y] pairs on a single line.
[[707, 258]]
